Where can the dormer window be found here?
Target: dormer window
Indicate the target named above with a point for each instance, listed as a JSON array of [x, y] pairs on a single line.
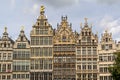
[[21, 38], [64, 38], [106, 39], [82, 33], [86, 33], [38, 23], [4, 44], [89, 33]]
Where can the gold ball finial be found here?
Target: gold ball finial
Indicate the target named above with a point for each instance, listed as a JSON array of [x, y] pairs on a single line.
[[86, 20], [42, 8], [22, 28], [5, 30], [80, 24]]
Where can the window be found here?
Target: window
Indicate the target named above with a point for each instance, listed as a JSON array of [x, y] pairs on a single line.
[[45, 40], [89, 76], [84, 39], [103, 47], [21, 45], [0, 56], [95, 76], [21, 38], [3, 77], [4, 68], [27, 75], [4, 56], [84, 50], [83, 67], [50, 51], [18, 76], [89, 50], [64, 38], [79, 50], [88, 39], [101, 78], [101, 69], [9, 56], [84, 76], [106, 47], [110, 46], [94, 50], [79, 67], [90, 67], [32, 64], [8, 77], [5, 44], [14, 76], [50, 40], [0, 67], [94, 66], [9, 68], [106, 39]]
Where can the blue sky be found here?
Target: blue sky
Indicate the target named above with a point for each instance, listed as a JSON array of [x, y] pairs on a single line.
[[102, 14]]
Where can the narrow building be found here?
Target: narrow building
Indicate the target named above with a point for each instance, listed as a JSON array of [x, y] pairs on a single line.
[[41, 49], [21, 58], [106, 48], [64, 65], [86, 54], [6, 52]]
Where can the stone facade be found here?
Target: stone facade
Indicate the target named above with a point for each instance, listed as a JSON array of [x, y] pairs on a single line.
[[86, 54], [106, 48], [41, 49], [64, 65], [57, 54], [6, 52], [21, 58]]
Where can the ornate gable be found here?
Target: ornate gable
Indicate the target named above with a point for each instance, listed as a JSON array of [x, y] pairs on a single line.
[[107, 37], [64, 33], [86, 34]]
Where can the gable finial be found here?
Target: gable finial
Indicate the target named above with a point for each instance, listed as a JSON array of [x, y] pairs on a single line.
[[22, 28], [86, 20], [5, 30]]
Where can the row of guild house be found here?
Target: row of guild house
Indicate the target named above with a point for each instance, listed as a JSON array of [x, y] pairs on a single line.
[[57, 54]]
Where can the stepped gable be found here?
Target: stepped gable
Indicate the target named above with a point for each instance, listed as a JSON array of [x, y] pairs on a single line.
[[6, 41], [22, 37]]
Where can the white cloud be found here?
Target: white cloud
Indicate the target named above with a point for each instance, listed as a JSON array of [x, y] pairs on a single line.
[[12, 3], [112, 25], [32, 10], [59, 3], [108, 1]]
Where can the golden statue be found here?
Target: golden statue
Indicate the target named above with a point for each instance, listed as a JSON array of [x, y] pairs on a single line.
[[42, 8]]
